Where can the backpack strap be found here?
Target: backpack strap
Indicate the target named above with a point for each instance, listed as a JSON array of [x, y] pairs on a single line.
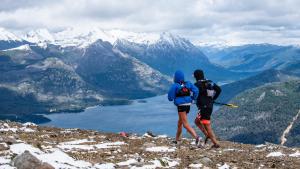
[[183, 90]]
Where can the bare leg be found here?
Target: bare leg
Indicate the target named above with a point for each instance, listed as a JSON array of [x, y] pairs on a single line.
[[211, 134], [179, 129], [183, 117], [201, 127]]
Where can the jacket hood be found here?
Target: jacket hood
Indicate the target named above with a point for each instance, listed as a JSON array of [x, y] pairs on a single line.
[[178, 76]]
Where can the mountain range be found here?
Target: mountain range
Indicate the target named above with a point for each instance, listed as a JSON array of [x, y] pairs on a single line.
[[255, 57]]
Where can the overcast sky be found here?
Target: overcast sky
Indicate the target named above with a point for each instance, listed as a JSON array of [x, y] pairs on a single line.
[[231, 21]]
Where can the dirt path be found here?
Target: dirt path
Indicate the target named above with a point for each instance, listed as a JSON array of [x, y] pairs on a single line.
[[287, 130]]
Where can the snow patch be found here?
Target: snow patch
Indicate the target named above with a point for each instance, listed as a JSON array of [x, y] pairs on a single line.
[[54, 157], [161, 149], [27, 130], [277, 92], [275, 154], [6, 128], [225, 166], [59, 159], [162, 136], [29, 124], [21, 147], [128, 162], [146, 135], [6, 167], [195, 165], [22, 47], [4, 160], [261, 97], [296, 154], [77, 144], [9, 129], [232, 149], [105, 166], [260, 146]]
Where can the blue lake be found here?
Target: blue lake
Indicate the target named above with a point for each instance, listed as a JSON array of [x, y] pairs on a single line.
[[154, 114]]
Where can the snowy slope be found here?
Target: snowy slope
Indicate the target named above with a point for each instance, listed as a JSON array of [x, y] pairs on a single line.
[[25, 47], [8, 36], [38, 36]]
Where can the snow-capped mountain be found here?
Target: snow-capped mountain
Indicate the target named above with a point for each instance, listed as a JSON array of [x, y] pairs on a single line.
[[5, 35], [80, 37], [170, 53], [39, 36], [83, 38], [9, 40]]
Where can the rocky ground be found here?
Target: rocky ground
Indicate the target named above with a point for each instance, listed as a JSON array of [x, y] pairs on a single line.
[[30, 146]]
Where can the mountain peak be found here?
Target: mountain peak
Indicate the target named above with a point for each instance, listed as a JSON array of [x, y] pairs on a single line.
[[8, 36], [141, 38], [174, 40], [38, 36]]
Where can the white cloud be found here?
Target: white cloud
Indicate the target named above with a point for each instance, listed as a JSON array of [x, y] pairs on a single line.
[[233, 21]]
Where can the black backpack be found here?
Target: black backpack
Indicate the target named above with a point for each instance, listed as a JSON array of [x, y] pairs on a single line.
[[206, 94], [183, 91]]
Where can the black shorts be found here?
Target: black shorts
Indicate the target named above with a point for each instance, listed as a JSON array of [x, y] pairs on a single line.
[[205, 113], [184, 108]]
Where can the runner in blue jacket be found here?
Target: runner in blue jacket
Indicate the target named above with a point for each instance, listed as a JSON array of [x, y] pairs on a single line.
[[180, 92]]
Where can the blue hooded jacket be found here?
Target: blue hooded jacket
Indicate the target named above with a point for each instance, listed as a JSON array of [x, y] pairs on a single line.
[[178, 79]]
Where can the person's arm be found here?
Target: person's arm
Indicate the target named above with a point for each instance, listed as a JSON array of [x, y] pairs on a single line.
[[172, 93], [217, 90], [195, 91]]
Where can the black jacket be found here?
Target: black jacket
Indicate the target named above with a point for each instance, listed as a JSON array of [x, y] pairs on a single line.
[[204, 99]]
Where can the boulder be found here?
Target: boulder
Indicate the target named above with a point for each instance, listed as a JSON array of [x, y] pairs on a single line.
[[3, 146], [28, 161], [205, 161], [8, 140]]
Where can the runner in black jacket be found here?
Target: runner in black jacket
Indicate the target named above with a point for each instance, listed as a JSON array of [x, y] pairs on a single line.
[[208, 92]]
